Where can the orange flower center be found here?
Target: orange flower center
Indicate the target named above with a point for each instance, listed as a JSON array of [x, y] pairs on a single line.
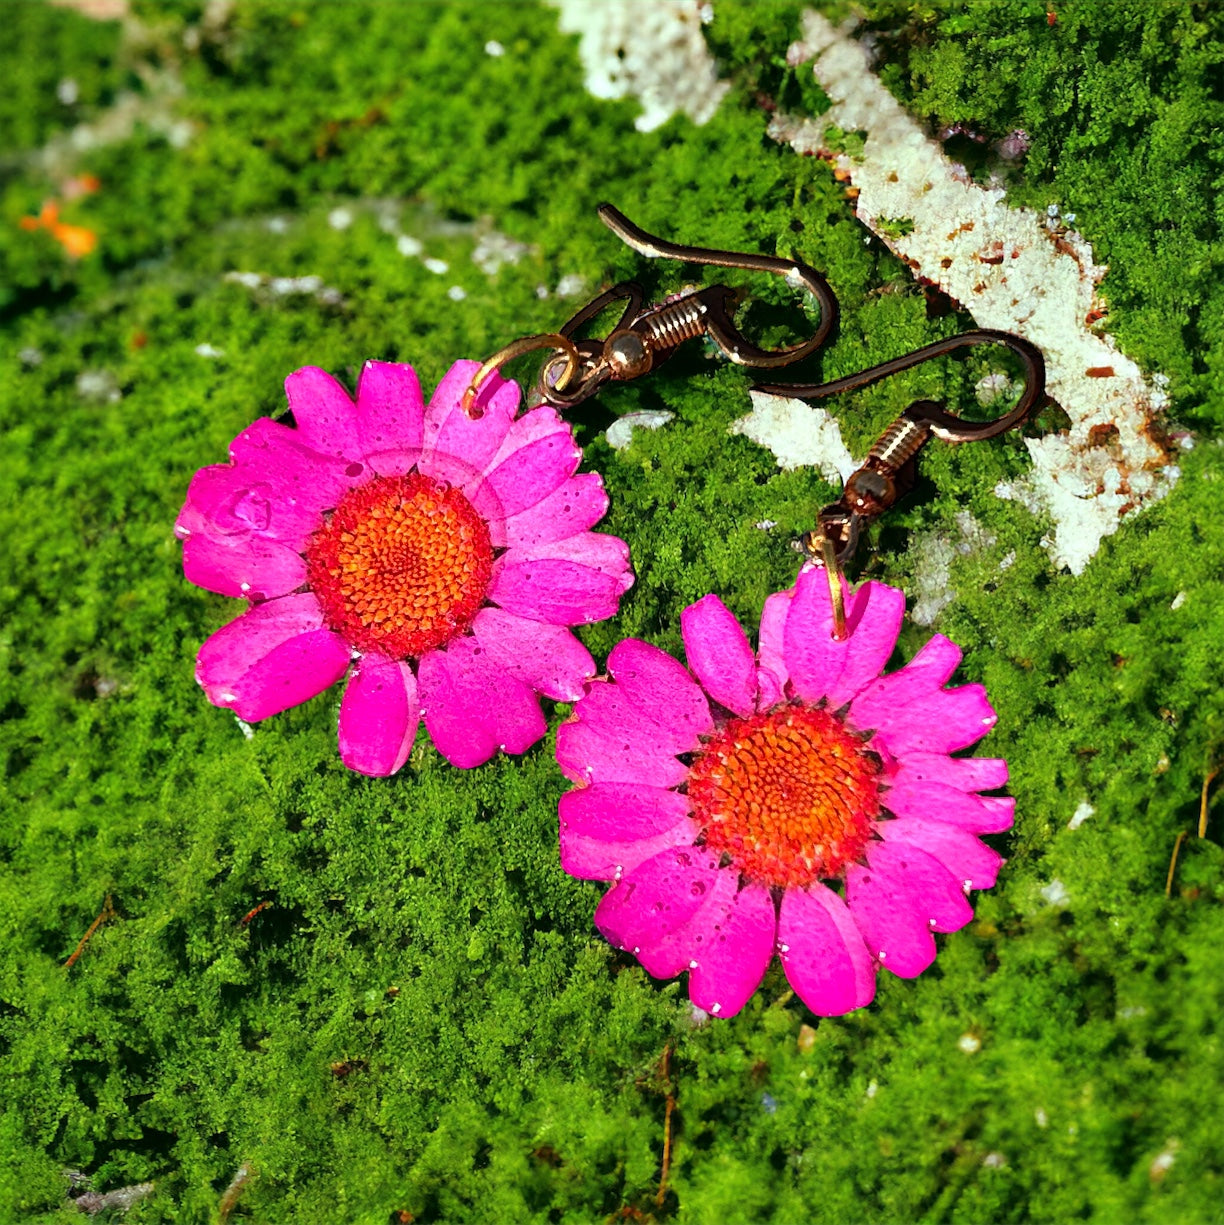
[[402, 565], [790, 796]]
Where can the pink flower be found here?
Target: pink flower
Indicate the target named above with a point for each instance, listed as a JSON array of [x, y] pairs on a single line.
[[434, 559], [720, 805]]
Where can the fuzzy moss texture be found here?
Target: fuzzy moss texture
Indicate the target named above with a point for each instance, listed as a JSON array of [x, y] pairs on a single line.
[[422, 1024]]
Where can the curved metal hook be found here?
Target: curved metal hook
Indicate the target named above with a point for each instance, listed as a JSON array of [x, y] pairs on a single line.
[[719, 323], [941, 423]]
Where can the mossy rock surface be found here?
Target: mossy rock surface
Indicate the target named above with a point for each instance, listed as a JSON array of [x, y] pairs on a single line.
[[421, 1022]]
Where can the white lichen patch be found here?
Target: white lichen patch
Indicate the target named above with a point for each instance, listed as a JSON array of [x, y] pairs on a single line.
[[1055, 893], [933, 554], [620, 433], [652, 50], [1012, 269], [799, 434], [1081, 814], [271, 288]]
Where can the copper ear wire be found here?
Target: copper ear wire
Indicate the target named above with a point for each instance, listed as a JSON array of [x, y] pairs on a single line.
[[875, 486], [643, 338]]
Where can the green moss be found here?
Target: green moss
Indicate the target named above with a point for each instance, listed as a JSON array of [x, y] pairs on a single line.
[[422, 1017]]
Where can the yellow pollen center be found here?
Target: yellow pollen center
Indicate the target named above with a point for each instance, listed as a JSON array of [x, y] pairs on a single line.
[[402, 565], [789, 796]]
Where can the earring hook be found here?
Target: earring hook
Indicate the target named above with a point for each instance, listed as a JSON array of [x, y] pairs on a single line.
[[875, 486], [645, 337]]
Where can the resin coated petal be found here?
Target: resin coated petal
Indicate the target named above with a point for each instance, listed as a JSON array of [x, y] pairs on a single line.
[[581, 580], [978, 814], [823, 953], [451, 433], [390, 417], [660, 895], [771, 648], [962, 773], [969, 860], [608, 709], [662, 688], [719, 654], [252, 568], [893, 923], [575, 507], [473, 707], [608, 829], [302, 476], [275, 656], [937, 894], [324, 414], [547, 657], [736, 951], [598, 755], [379, 715], [534, 470], [821, 667]]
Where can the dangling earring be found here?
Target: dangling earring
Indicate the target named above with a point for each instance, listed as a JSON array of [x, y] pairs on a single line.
[[721, 799], [436, 554]]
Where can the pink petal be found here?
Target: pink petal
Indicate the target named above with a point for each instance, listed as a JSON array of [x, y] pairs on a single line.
[[963, 773], [771, 649], [658, 897], [662, 688], [275, 656], [473, 707], [893, 923], [977, 814], [823, 953], [607, 709], [719, 654], [379, 714], [534, 469], [735, 952], [821, 667], [973, 863], [610, 828], [932, 721], [603, 755], [937, 893], [455, 446], [275, 452], [325, 417], [581, 580], [547, 657], [390, 417], [577, 505], [251, 568]]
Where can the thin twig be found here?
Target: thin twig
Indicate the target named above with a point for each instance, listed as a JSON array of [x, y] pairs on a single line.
[[1173, 863], [1204, 804], [667, 1122], [234, 1191], [108, 912]]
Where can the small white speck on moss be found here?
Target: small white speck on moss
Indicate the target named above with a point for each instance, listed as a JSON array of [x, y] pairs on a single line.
[[1081, 814], [571, 285], [246, 729], [340, 218], [408, 246], [494, 48], [799, 435], [437, 266], [1043, 1119], [1178, 600], [456, 293], [873, 1088], [1055, 893], [207, 350], [620, 433], [969, 1043], [994, 1161]]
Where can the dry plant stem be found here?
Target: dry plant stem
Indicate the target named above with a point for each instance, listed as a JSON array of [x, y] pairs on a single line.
[[250, 914], [233, 1192], [1205, 802], [667, 1120], [1173, 863], [108, 912]]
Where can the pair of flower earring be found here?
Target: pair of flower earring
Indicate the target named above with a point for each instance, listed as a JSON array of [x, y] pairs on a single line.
[[437, 555]]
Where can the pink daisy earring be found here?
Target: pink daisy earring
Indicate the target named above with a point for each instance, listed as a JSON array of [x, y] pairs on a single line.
[[434, 559], [794, 800]]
